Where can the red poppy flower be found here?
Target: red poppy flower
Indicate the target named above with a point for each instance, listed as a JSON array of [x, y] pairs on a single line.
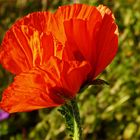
[[53, 55]]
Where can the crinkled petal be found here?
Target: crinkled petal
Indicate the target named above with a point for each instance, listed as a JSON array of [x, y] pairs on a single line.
[[76, 26], [81, 40], [93, 37], [38, 20], [107, 40], [65, 13], [45, 86], [24, 47]]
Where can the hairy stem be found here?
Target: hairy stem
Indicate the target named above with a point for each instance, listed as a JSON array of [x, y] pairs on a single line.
[[77, 135], [71, 114]]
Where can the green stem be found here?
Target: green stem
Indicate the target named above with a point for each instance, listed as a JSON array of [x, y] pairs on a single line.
[[77, 135], [71, 114]]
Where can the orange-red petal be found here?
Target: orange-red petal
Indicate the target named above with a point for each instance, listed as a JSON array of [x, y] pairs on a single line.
[[107, 40], [38, 20], [81, 40], [24, 47], [76, 26], [45, 86], [89, 33], [65, 13]]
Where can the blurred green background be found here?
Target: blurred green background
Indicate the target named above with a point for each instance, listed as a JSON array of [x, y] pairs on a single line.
[[107, 112]]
